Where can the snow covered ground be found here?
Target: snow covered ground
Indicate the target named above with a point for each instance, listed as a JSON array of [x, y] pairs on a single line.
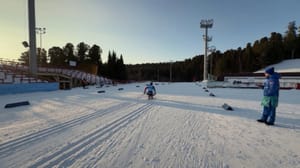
[[182, 127]]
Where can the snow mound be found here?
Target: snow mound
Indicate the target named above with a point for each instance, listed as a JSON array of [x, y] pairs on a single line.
[[291, 65]]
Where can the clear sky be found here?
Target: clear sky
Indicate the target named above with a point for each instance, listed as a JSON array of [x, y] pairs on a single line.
[[145, 30]]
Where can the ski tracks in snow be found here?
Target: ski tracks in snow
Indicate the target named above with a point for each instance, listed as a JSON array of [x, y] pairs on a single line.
[[73, 151], [213, 152], [13, 146]]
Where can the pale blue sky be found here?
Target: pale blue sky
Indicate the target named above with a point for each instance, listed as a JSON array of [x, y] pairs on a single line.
[[145, 30]]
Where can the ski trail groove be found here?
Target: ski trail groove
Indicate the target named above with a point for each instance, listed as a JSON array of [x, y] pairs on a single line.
[[69, 154], [12, 146], [101, 154]]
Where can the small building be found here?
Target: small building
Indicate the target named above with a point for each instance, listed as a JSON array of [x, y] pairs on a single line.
[[288, 69], [287, 80]]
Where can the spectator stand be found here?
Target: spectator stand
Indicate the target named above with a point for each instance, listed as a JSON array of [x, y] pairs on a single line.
[[12, 71]]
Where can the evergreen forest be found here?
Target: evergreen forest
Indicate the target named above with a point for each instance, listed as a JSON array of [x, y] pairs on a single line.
[[252, 57]]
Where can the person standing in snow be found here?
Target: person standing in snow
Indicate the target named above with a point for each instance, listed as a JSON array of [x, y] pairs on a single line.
[[270, 98], [150, 90]]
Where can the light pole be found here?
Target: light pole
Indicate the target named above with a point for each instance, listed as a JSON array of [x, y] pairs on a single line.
[[157, 75], [32, 41], [206, 24], [171, 70], [212, 49], [40, 31]]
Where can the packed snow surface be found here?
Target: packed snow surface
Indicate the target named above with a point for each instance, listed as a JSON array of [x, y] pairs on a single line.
[[182, 127]]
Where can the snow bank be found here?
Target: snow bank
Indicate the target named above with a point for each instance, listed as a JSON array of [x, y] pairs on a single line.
[[292, 65]]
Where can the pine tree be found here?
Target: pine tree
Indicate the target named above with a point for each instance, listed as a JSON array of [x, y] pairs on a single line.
[[290, 39], [68, 51], [82, 49], [57, 56]]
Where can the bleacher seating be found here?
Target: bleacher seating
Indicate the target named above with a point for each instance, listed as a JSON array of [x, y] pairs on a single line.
[[14, 72]]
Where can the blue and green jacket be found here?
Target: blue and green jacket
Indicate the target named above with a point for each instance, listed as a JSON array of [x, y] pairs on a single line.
[[271, 90]]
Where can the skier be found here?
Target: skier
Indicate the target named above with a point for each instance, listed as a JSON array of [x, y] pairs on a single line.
[[270, 98], [150, 90]]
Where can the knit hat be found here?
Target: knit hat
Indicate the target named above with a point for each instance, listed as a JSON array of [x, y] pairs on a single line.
[[270, 70]]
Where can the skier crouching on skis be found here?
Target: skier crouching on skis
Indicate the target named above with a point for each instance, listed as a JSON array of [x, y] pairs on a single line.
[[150, 90]]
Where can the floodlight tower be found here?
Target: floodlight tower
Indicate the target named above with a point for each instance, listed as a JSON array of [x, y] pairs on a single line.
[[206, 24], [32, 38], [40, 31]]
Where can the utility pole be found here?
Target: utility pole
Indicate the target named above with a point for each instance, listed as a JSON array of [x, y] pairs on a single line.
[[212, 49], [157, 75], [206, 24], [171, 70], [32, 38]]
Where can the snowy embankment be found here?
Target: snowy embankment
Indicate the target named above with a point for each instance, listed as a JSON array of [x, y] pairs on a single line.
[[286, 66], [181, 127]]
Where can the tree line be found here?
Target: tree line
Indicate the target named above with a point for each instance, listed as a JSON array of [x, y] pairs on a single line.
[[82, 56], [263, 52], [253, 57]]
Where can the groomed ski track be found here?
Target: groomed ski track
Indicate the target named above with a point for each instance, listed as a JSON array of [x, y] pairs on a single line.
[[78, 147], [182, 127]]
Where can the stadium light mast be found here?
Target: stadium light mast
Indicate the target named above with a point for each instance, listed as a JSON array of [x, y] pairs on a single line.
[[206, 24], [32, 38], [40, 31]]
